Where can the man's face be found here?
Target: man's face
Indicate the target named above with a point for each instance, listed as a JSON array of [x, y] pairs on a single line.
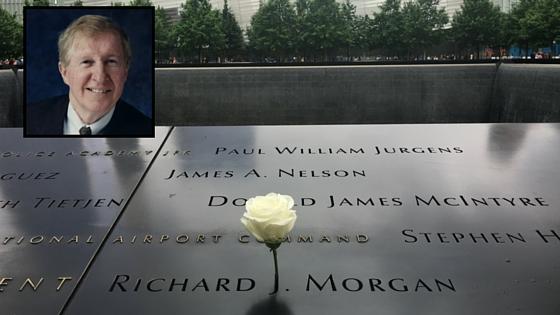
[[96, 74]]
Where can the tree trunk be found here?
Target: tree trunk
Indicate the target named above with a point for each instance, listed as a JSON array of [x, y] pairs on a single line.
[[477, 52]]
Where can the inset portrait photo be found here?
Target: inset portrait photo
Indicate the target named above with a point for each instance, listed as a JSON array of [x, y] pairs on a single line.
[[89, 71]]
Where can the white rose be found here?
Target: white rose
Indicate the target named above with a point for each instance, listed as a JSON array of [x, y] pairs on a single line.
[[269, 218]]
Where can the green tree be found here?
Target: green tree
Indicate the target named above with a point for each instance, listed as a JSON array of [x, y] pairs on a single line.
[[364, 32], [11, 36], [356, 30], [351, 27], [422, 26], [476, 25], [386, 30], [163, 33], [506, 32], [522, 32], [272, 32], [233, 44], [199, 30], [78, 3], [536, 22], [117, 4], [141, 3], [302, 28], [326, 31], [550, 13], [40, 3]]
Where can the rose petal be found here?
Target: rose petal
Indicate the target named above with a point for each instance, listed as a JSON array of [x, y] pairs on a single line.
[[253, 229], [269, 218]]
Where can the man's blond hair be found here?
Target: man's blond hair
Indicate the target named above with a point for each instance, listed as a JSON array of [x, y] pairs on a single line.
[[90, 26]]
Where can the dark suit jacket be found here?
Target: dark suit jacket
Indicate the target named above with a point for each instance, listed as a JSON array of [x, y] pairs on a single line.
[[46, 118]]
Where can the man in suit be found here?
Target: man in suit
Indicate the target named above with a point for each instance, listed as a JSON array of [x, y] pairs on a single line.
[[94, 57]]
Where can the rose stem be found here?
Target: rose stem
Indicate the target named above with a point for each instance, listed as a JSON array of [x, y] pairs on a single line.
[[275, 272]]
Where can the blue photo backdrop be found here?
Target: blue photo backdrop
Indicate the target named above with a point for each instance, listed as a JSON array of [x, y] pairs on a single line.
[[43, 25]]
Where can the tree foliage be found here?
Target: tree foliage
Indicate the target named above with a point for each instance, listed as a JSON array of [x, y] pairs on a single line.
[[141, 3], [536, 22], [506, 31], [354, 27], [272, 31], [301, 27], [349, 18], [408, 29], [163, 34], [475, 25], [327, 31], [423, 23], [37, 3], [387, 27], [233, 35], [11, 36], [199, 30]]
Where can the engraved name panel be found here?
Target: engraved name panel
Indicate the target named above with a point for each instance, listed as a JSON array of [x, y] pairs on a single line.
[[392, 219], [58, 199]]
